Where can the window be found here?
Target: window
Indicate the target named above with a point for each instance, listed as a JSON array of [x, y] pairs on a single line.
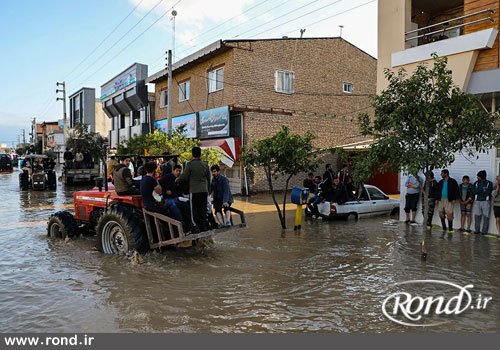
[[216, 80], [348, 88], [184, 88], [376, 194], [163, 98], [283, 81]]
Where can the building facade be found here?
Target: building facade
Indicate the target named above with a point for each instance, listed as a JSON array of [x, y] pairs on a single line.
[[464, 31], [234, 92], [126, 102], [85, 109]]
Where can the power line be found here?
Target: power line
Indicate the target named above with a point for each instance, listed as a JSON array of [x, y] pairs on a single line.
[[234, 27], [137, 37], [120, 39], [335, 15], [221, 24], [289, 12], [103, 40]]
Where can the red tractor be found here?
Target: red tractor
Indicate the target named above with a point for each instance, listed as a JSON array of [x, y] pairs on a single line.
[[122, 224]]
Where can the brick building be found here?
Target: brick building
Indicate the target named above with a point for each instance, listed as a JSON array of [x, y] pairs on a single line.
[[309, 84]]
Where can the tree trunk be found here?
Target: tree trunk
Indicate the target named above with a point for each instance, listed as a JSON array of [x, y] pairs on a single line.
[[271, 188], [425, 206]]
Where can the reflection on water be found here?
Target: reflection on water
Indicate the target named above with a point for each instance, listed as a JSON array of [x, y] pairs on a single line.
[[330, 277]]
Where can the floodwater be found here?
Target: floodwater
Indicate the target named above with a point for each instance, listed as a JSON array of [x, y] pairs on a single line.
[[330, 277]]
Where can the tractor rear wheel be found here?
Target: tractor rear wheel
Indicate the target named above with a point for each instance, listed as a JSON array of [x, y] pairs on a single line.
[[121, 230], [61, 225], [52, 181]]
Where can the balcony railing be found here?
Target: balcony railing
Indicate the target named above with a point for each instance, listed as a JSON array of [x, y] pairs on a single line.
[[446, 24]]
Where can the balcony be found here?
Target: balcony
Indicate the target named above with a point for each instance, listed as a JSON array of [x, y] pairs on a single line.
[[140, 129], [447, 28]]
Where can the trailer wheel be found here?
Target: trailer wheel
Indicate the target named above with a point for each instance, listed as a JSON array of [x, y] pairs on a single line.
[[120, 230], [61, 225], [24, 181]]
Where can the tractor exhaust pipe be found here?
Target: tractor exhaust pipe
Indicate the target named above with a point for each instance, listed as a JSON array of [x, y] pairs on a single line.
[[99, 182]]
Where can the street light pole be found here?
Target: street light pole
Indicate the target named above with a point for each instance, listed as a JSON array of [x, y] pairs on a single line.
[[169, 92], [65, 128]]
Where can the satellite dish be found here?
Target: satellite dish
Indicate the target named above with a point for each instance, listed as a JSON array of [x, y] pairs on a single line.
[[174, 13]]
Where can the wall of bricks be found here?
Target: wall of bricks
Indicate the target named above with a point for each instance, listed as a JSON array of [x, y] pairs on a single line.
[[200, 99], [318, 104], [320, 68], [330, 132]]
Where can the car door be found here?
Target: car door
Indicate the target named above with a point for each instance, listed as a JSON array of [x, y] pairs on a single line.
[[379, 201], [364, 205]]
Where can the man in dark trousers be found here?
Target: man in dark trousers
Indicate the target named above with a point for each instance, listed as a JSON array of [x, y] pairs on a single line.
[[447, 194], [197, 174], [222, 197], [171, 192], [148, 185], [122, 179], [432, 184]]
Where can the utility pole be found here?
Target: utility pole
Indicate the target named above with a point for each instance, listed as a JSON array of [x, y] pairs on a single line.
[[24, 137], [65, 128], [169, 92], [302, 31]]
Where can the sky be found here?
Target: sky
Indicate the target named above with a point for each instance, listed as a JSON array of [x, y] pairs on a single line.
[[86, 43]]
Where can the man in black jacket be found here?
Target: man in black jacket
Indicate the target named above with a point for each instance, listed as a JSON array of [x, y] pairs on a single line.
[[309, 183], [432, 184], [447, 194]]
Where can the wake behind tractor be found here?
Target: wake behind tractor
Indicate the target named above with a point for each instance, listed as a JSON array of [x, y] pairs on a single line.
[[121, 223]]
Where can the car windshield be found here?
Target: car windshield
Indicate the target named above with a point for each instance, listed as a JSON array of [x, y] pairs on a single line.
[[376, 194]]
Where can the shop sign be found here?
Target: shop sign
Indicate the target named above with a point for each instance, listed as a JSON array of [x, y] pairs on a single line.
[[214, 122], [188, 121], [120, 82]]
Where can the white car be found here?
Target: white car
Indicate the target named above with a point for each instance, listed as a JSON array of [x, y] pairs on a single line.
[[372, 202]]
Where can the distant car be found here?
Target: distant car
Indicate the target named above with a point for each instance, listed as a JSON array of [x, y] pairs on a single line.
[[373, 202]]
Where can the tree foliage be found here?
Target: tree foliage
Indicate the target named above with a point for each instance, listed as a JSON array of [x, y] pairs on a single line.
[[159, 143], [422, 121], [283, 154], [80, 138]]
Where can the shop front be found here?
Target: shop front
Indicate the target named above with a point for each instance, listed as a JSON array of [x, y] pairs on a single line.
[[218, 128]]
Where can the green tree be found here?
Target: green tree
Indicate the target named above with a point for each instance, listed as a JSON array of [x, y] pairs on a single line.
[[422, 121], [158, 143], [283, 154], [82, 139], [134, 145]]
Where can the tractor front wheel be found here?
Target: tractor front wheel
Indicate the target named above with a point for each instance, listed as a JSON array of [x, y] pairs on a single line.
[[121, 230], [61, 225]]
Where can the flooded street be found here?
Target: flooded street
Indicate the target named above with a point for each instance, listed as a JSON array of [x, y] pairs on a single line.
[[330, 277]]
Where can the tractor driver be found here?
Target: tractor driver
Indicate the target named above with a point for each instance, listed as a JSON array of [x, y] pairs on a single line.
[[123, 181]]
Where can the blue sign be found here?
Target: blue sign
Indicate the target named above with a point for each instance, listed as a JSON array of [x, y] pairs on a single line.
[[188, 121], [214, 122]]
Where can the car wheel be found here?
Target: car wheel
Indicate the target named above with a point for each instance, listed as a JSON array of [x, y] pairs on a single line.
[[352, 217]]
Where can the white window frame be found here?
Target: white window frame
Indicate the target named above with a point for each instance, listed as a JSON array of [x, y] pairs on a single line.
[[163, 97], [346, 91], [213, 82], [277, 74], [184, 94]]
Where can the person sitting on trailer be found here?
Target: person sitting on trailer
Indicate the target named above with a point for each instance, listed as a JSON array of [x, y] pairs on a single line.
[[68, 159], [222, 197], [171, 192], [122, 179], [149, 184]]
